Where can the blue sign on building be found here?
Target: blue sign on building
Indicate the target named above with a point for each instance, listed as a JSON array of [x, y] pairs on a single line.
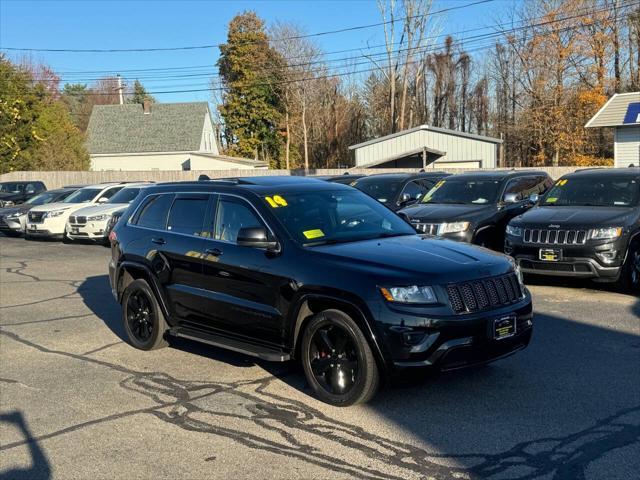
[[633, 113]]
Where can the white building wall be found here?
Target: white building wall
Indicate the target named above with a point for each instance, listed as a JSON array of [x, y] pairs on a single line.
[[627, 146], [208, 142], [457, 148], [161, 161]]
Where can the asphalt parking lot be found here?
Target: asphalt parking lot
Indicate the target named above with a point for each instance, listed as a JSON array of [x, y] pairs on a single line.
[[76, 401]]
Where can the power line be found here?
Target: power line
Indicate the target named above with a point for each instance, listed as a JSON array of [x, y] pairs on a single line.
[[353, 60], [200, 47]]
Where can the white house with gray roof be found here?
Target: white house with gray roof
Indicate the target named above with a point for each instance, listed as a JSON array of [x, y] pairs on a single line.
[[426, 146], [157, 136], [622, 112]]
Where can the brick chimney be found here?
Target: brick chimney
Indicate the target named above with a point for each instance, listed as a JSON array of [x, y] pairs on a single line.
[[146, 106]]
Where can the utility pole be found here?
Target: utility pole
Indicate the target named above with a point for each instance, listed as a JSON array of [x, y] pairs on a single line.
[[119, 88]]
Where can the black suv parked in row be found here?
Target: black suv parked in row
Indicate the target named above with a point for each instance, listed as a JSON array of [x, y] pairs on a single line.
[[14, 193], [282, 268], [588, 225], [397, 190], [476, 207]]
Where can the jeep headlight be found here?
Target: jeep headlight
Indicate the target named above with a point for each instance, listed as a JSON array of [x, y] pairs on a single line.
[[412, 294], [514, 231], [54, 213], [98, 218], [16, 214], [7, 203], [454, 227], [605, 233]]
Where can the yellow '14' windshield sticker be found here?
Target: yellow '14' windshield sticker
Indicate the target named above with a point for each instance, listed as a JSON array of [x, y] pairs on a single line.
[[276, 201], [561, 183], [551, 200], [311, 234]]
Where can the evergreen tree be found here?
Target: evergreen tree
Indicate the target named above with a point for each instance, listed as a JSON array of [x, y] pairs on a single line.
[[251, 108], [139, 94]]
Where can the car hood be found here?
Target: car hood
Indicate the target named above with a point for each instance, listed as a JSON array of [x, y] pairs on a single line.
[[61, 206], [104, 209], [437, 213], [412, 258], [578, 217], [10, 196], [23, 207]]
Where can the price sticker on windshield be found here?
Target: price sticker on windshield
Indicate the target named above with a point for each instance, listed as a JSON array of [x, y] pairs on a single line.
[[311, 234], [276, 201], [561, 183]]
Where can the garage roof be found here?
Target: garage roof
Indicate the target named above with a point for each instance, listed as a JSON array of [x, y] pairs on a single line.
[[445, 131], [621, 110]]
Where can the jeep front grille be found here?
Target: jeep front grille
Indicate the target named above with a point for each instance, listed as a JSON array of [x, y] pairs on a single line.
[[428, 228], [554, 237], [486, 293]]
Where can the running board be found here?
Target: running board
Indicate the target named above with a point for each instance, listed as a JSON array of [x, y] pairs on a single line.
[[264, 353]]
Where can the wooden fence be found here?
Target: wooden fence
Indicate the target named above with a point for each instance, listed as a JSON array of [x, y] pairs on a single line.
[[58, 179]]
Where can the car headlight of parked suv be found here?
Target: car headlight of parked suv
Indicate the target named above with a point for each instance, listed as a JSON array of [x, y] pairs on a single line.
[[514, 231], [412, 294], [6, 203], [16, 214], [98, 218], [605, 233], [454, 227], [55, 213]]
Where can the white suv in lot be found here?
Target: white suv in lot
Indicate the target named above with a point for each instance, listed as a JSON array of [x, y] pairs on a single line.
[[90, 223], [50, 220]]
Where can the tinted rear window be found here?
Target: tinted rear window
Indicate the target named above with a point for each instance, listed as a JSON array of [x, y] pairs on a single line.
[[154, 213], [187, 215]]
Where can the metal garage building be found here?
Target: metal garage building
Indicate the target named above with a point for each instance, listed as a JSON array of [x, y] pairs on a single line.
[[622, 112], [428, 146]]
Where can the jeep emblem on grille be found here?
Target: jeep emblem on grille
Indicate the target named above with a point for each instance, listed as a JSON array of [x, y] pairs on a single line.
[[554, 226]]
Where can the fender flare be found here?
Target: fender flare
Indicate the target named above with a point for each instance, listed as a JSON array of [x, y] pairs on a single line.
[[148, 275], [363, 319]]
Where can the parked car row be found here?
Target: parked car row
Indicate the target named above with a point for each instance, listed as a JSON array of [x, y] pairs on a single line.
[[587, 224], [72, 213]]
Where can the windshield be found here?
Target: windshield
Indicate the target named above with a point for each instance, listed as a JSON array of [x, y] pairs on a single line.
[[11, 187], [83, 195], [126, 195], [382, 189], [41, 199], [321, 217], [591, 192], [478, 192]]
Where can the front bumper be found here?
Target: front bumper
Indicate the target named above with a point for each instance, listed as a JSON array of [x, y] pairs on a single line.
[[49, 227], [10, 225], [87, 231], [576, 261], [452, 342]]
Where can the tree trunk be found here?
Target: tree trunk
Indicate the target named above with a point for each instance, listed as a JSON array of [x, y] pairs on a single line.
[[288, 141]]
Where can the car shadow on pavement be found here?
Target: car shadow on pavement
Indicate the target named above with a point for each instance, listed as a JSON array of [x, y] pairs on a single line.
[[40, 468]]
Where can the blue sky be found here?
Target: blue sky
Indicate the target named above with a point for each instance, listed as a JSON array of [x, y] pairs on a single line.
[[153, 24]]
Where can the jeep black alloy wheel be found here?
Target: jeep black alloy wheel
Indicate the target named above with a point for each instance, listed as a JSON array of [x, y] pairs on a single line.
[[144, 322], [634, 280], [337, 360], [140, 315]]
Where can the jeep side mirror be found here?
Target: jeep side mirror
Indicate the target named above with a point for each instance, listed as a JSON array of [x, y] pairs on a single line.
[[256, 237], [510, 198], [534, 197], [102, 199]]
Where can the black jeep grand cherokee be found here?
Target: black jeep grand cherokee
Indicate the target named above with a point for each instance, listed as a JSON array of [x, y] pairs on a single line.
[[587, 225], [283, 267]]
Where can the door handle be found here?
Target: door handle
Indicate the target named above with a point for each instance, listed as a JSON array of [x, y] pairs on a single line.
[[216, 252], [159, 241]]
